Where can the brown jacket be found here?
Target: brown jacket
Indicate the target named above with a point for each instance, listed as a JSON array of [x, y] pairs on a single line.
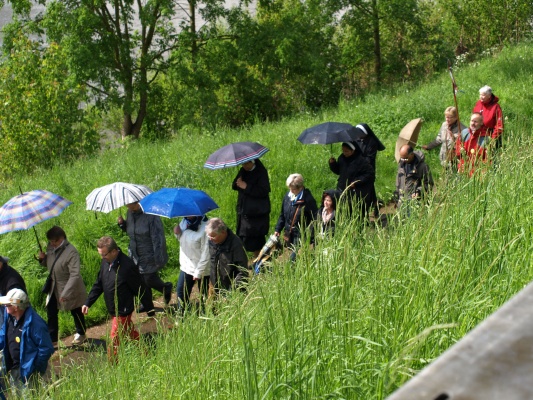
[[66, 278]]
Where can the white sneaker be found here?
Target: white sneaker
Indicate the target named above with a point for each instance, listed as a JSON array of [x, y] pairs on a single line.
[[79, 339]]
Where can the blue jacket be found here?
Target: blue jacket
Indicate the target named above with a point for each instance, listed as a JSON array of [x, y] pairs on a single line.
[[35, 344]]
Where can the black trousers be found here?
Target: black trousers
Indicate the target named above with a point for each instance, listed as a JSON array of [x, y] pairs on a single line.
[[52, 312]]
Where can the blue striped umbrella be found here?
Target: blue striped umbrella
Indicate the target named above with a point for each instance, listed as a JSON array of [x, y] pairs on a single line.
[[28, 209], [235, 154]]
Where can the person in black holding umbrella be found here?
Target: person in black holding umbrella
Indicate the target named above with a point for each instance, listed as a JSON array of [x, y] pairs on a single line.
[[356, 177], [253, 205]]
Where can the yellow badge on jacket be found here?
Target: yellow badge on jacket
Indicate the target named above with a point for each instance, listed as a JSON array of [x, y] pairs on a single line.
[[17, 339]]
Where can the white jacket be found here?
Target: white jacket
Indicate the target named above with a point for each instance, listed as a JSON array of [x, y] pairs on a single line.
[[194, 250]]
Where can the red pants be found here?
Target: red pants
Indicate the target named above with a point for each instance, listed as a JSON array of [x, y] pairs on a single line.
[[121, 327]]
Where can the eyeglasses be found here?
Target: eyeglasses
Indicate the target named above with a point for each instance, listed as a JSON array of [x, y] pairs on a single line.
[[406, 159], [105, 255]]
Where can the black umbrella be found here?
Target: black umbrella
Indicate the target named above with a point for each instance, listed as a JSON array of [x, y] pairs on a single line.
[[330, 132]]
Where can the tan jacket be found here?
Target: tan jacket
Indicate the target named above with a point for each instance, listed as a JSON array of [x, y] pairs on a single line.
[[66, 277]]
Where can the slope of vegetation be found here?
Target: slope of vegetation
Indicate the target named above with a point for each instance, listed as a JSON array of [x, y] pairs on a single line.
[[359, 314]]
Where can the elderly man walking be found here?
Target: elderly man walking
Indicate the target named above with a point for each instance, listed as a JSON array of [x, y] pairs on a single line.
[[414, 179], [25, 342], [120, 282]]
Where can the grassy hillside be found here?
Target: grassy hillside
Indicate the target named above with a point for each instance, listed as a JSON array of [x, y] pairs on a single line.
[[362, 312]]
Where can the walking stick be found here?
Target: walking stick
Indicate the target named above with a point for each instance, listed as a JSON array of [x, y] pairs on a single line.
[[455, 89]]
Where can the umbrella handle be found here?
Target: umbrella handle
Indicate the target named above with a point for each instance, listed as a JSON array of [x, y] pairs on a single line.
[[37, 237]]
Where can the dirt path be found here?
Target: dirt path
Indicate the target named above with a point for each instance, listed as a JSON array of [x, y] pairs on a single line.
[[68, 355]]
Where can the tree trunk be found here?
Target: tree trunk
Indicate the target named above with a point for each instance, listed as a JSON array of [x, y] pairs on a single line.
[[377, 42]]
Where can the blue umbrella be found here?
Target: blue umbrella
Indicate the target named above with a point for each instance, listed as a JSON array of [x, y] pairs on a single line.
[[177, 202]]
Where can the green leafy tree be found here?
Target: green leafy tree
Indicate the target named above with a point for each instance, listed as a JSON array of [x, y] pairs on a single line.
[[41, 120], [116, 48]]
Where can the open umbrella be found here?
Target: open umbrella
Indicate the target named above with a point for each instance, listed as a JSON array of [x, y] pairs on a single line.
[[330, 132], [177, 202], [28, 209], [235, 154], [110, 197], [408, 135]]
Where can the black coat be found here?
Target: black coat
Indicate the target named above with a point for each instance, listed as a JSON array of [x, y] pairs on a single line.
[[10, 279], [302, 212], [253, 203], [358, 169], [121, 280], [229, 263]]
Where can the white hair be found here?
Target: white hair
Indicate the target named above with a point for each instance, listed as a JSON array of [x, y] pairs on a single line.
[[295, 181], [485, 89]]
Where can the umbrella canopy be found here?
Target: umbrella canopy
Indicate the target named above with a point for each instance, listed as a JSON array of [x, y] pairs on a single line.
[[408, 135], [110, 197], [28, 209], [235, 154], [177, 202], [330, 132]]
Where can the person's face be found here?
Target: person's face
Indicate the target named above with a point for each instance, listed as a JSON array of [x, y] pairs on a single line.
[[107, 255], [347, 152], [485, 97], [133, 206], [476, 121], [328, 202], [248, 165], [55, 243], [406, 157], [218, 238], [295, 190], [450, 119], [11, 309]]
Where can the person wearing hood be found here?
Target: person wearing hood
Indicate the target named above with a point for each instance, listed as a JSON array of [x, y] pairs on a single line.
[[148, 250], [194, 259], [67, 291], [490, 109], [356, 176], [413, 180]]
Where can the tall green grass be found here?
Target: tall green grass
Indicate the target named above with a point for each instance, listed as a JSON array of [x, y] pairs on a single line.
[[360, 313]]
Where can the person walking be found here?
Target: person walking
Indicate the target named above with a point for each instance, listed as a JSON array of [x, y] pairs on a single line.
[[25, 343], [228, 260], [356, 177], [120, 282], [194, 259], [67, 291], [488, 106], [446, 138], [253, 205], [298, 211], [413, 179], [148, 249]]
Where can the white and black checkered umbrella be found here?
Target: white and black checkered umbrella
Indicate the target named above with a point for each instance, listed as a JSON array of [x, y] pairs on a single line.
[[110, 197]]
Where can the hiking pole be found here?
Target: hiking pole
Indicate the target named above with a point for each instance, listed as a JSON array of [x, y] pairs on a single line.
[[455, 89]]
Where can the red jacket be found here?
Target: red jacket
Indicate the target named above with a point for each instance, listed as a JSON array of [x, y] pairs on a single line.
[[492, 116], [471, 149]]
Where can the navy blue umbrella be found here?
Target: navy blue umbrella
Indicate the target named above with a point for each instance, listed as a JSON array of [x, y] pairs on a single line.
[[177, 202], [330, 132]]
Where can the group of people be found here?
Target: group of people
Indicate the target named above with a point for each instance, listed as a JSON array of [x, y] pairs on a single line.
[[210, 252], [469, 150]]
